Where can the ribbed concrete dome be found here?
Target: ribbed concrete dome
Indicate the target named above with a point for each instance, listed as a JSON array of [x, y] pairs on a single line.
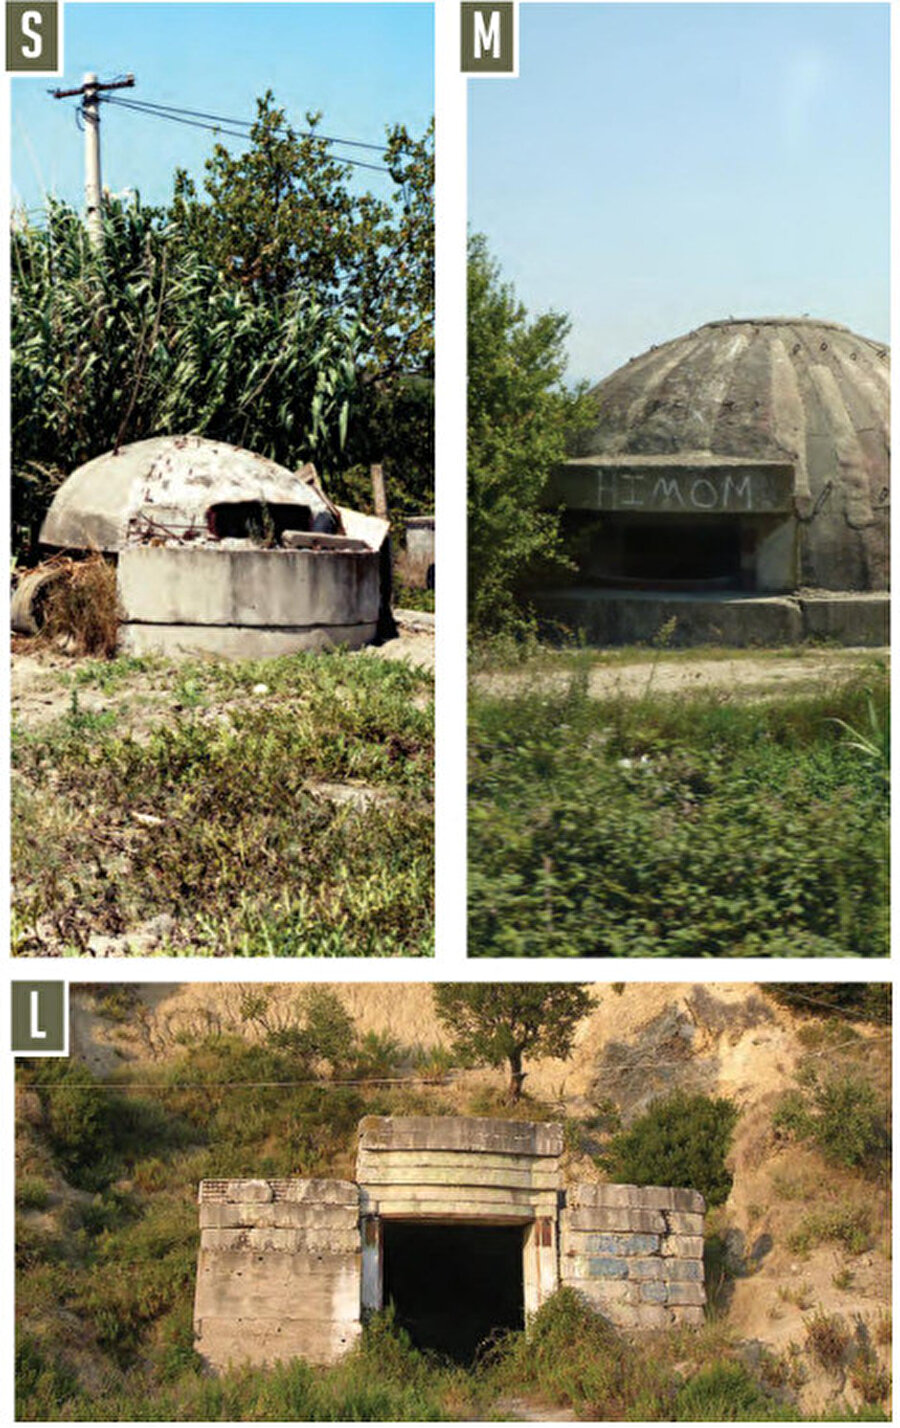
[[772, 389]]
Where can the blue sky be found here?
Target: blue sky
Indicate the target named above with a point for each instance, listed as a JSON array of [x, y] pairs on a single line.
[[658, 166], [365, 65]]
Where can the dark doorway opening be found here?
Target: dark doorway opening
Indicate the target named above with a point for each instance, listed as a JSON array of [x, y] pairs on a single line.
[[242, 520], [704, 552], [453, 1286]]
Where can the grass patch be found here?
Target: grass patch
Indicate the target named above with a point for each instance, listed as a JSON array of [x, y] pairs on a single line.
[[845, 1224], [677, 825], [32, 1193], [214, 817], [828, 1338]]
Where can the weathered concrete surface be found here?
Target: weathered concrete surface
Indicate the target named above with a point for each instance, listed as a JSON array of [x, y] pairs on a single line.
[[186, 585], [851, 619], [616, 617], [287, 1267], [239, 642], [607, 617], [696, 484], [278, 1273], [791, 391], [470, 1133], [245, 603], [458, 1167], [416, 561], [170, 482], [635, 1253]]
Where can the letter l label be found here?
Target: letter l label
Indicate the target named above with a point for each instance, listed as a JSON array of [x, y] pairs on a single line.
[[35, 1031]]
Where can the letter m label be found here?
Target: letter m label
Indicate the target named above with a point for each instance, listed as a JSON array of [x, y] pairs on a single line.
[[488, 39]]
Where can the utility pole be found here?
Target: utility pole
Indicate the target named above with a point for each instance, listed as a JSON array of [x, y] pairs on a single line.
[[90, 110]]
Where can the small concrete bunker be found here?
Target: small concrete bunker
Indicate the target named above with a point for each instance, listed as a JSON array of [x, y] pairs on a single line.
[[222, 551], [462, 1223], [737, 478]]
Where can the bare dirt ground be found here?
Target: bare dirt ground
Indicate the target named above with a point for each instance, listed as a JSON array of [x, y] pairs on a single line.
[[752, 676]]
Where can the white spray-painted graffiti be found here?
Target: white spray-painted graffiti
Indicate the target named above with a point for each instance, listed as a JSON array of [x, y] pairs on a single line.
[[630, 490]]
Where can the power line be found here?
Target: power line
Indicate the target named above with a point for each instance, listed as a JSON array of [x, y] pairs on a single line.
[[248, 124], [438, 1080], [195, 119], [236, 1085]]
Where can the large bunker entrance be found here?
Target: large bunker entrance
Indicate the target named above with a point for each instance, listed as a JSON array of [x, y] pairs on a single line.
[[453, 1286], [464, 1223]]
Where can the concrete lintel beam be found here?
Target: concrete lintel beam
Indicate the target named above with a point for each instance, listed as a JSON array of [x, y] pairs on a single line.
[[688, 486]]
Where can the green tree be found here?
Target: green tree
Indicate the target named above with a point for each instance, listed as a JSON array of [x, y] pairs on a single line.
[[520, 416], [680, 1140], [313, 1028], [284, 310], [284, 217], [497, 1023]]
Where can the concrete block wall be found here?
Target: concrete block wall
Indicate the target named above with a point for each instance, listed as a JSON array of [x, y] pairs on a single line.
[[635, 1253], [278, 1273]]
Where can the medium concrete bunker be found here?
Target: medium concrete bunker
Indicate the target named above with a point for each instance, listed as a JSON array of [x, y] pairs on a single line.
[[463, 1224], [737, 480], [221, 551]]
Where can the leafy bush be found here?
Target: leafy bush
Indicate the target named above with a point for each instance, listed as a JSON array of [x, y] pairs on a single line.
[[570, 1355], [44, 1386], [841, 1112], [681, 1140], [32, 1192]]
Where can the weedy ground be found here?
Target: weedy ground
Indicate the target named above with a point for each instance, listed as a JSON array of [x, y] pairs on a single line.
[[281, 808], [649, 823]]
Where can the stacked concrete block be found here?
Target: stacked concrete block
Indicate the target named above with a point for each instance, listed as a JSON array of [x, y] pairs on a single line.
[[278, 1274], [458, 1165], [635, 1253]]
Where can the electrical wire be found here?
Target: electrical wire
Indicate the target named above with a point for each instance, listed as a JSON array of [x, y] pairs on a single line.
[[624, 1068], [219, 126], [245, 123]]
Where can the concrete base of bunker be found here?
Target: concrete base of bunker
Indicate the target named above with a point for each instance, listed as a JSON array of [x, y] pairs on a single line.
[[239, 642], [620, 617], [246, 603], [454, 1287]]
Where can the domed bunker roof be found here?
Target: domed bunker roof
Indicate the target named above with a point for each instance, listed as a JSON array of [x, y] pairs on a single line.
[[804, 402], [177, 486]]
